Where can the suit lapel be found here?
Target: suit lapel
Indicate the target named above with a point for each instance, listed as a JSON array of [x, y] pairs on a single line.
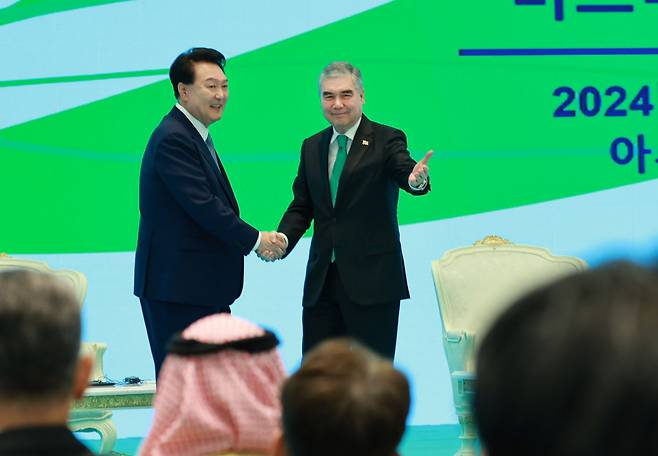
[[362, 140], [221, 177], [324, 166]]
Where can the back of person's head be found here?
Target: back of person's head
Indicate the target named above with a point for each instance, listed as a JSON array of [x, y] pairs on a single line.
[[571, 368], [39, 338], [218, 391], [182, 68], [344, 401]]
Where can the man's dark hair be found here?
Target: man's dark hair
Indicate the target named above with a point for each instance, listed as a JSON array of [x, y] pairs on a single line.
[[571, 368], [39, 336], [344, 400], [182, 70]]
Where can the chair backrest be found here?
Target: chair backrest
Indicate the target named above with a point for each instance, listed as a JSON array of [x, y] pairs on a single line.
[[79, 283], [77, 279], [475, 284]]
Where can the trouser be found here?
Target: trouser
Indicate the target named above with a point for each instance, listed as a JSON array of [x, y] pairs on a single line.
[[336, 315], [164, 319]]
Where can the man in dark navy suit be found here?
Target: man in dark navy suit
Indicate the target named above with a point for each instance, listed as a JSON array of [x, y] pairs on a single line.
[[348, 184], [191, 245]]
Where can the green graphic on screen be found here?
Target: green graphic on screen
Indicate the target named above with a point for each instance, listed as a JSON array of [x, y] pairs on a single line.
[[508, 130]]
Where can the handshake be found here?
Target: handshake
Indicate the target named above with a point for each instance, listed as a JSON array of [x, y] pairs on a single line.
[[272, 246]]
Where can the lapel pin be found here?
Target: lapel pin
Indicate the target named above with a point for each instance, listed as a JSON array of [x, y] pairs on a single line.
[[364, 142]]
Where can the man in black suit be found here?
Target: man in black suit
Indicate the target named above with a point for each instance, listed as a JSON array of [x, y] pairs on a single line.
[[41, 369], [348, 183], [191, 245]]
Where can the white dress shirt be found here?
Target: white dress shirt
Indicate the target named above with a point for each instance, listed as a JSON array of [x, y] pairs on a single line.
[[200, 127]]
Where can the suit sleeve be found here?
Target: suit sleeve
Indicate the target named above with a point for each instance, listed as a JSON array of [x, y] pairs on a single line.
[[178, 166], [297, 218], [399, 162]]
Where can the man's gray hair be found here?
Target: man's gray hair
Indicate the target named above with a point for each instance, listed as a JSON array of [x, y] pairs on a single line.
[[39, 336], [342, 69]]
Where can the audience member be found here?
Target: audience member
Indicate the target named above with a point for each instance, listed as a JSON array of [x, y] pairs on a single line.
[[570, 369], [41, 370], [218, 391], [343, 401]]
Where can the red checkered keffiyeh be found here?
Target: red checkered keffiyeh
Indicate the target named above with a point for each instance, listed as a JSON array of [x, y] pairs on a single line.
[[227, 401]]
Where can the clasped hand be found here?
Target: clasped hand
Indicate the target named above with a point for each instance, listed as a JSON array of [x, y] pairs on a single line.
[[272, 246]]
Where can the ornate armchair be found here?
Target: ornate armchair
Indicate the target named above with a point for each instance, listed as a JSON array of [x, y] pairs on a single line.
[[473, 286], [99, 421]]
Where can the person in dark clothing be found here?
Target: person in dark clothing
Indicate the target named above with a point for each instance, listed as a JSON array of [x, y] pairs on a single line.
[[348, 184], [569, 369], [41, 370]]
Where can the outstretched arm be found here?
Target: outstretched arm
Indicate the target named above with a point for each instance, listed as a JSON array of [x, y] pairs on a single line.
[[410, 176], [420, 174]]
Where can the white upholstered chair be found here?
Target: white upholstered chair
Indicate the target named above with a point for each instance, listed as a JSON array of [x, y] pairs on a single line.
[[473, 286], [99, 421]]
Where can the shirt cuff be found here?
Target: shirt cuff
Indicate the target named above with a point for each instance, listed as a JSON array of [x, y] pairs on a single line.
[[257, 244], [420, 187]]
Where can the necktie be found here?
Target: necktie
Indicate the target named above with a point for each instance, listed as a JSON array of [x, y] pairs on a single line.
[[223, 180], [213, 152], [335, 174], [338, 166]]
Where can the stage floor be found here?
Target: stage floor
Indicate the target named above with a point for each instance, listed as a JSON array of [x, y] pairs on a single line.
[[418, 441]]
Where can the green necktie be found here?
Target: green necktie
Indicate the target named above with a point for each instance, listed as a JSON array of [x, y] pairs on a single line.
[[338, 166], [335, 174]]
